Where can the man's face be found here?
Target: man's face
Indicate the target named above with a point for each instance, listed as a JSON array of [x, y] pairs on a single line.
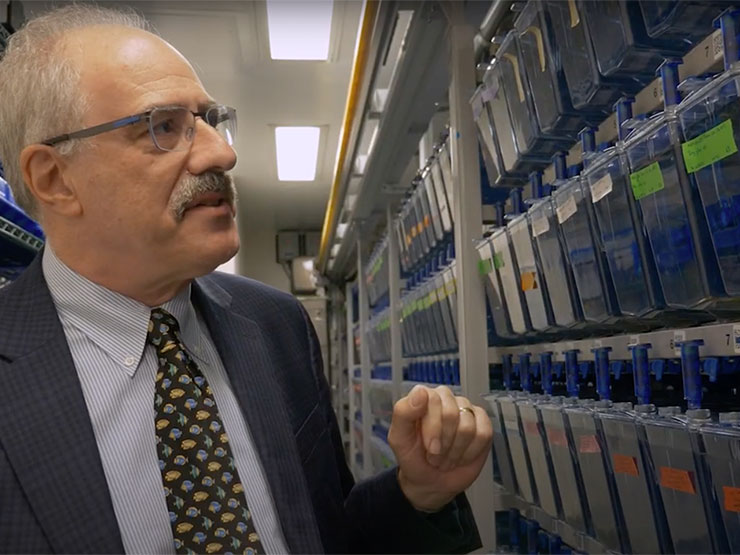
[[136, 199]]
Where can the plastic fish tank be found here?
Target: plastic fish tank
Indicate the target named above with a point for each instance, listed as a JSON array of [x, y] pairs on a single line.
[[565, 463], [500, 445], [671, 213], [446, 311], [598, 481], [494, 290], [530, 277], [589, 90], [542, 65], [721, 449], [631, 465], [710, 129], [594, 291], [539, 455], [435, 174], [681, 478], [517, 442], [620, 231], [687, 21], [513, 162], [622, 46], [508, 272], [555, 266]]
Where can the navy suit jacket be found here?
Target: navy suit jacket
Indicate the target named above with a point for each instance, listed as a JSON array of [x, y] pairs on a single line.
[[53, 493]]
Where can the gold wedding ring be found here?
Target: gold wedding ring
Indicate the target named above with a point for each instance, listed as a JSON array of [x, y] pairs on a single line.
[[467, 409]]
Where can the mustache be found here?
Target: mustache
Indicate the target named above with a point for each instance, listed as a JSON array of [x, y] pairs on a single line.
[[193, 186]]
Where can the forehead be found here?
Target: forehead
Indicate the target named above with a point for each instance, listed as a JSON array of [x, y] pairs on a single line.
[[123, 70]]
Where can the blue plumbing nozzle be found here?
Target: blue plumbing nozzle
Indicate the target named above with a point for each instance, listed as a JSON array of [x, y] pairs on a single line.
[[668, 72], [535, 180], [525, 378], [641, 372], [601, 359], [691, 372], [517, 203], [623, 108], [587, 136], [546, 372], [571, 372], [729, 22], [507, 371], [500, 214], [558, 161]]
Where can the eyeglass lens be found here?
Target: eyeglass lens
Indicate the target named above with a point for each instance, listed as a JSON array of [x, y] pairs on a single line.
[[173, 128]]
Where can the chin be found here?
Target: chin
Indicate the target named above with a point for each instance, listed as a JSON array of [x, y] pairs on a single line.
[[207, 257]]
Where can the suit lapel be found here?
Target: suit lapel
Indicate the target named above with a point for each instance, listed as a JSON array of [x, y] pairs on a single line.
[[245, 356], [45, 428]]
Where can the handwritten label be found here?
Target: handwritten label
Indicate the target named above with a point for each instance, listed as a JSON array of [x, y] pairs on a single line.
[[709, 147], [647, 181], [624, 464], [601, 188], [677, 479], [732, 499], [529, 281], [567, 209], [557, 438], [540, 225], [498, 260], [531, 428], [588, 444], [718, 47], [485, 266]]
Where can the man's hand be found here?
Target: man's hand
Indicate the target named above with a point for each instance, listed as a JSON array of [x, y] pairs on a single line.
[[441, 443]]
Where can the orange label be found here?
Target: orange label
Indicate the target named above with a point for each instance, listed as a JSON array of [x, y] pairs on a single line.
[[624, 464], [426, 221], [732, 499], [531, 428], [589, 444], [528, 281], [557, 438], [413, 232], [675, 478], [408, 240]]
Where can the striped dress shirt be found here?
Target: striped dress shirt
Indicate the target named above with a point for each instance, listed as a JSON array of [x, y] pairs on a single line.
[[106, 333]]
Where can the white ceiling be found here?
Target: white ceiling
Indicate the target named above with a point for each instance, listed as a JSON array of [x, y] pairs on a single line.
[[227, 43]]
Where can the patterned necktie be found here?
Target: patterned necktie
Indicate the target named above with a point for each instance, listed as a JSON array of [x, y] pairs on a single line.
[[206, 501]]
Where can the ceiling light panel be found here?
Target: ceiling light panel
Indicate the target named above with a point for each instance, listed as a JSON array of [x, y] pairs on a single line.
[[297, 152], [299, 30]]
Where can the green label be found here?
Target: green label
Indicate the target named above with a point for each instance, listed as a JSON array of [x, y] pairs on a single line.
[[485, 266], [647, 181], [709, 147], [498, 260]]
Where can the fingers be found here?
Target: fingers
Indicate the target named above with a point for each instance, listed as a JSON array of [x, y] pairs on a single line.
[[481, 442], [449, 415], [465, 433], [406, 415], [431, 424]]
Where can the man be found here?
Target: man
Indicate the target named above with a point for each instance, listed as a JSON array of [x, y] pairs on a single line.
[[150, 405]]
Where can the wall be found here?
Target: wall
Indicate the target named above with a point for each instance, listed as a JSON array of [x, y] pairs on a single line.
[[256, 258]]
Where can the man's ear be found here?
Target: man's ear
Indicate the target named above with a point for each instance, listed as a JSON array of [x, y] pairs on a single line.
[[43, 170]]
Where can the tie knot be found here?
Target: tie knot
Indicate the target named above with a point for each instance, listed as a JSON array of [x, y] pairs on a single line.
[[162, 326]]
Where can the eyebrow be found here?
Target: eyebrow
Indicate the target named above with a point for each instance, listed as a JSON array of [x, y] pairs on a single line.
[[202, 106]]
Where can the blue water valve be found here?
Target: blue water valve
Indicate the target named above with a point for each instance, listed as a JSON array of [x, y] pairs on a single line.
[[558, 161], [691, 372], [517, 203], [641, 372], [535, 180], [601, 362], [571, 372], [525, 378], [623, 109], [546, 371], [587, 136], [507, 368], [729, 22], [500, 215], [668, 72]]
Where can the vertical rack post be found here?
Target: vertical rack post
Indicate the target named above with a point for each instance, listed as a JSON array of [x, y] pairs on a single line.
[[351, 374], [364, 363], [473, 342], [394, 292]]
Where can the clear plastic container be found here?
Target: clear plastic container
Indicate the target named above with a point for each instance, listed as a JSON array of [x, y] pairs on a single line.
[[686, 21], [629, 459], [565, 464], [494, 290], [518, 448], [681, 480], [623, 47], [598, 481], [555, 266], [572, 206], [721, 443], [539, 455], [500, 445], [670, 211], [542, 65], [508, 272], [627, 251], [710, 129], [589, 90], [530, 277]]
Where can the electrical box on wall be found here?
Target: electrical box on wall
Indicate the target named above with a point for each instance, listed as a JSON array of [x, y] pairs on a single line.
[[313, 240], [287, 246]]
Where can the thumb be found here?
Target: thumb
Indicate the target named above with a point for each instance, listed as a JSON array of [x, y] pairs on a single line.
[[407, 412]]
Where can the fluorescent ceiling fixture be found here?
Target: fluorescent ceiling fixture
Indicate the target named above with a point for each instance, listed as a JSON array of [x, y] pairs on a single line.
[[299, 30], [297, 152]]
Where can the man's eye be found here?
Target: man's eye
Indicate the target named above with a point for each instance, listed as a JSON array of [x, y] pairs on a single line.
[[165, 127]]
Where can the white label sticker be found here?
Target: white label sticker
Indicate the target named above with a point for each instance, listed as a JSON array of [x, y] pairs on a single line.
[[540, 225], [598, 344], [736, 337], [567, 209], [718, 48], [678, 337], [634, 340], [601, 188]]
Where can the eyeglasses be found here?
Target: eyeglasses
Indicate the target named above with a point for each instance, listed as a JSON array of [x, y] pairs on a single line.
[[171, 128]]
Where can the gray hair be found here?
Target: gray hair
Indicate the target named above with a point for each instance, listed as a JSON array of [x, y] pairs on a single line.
[[39, 87]]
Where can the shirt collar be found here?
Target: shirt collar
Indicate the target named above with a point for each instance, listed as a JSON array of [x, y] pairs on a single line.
[[114, 322]]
